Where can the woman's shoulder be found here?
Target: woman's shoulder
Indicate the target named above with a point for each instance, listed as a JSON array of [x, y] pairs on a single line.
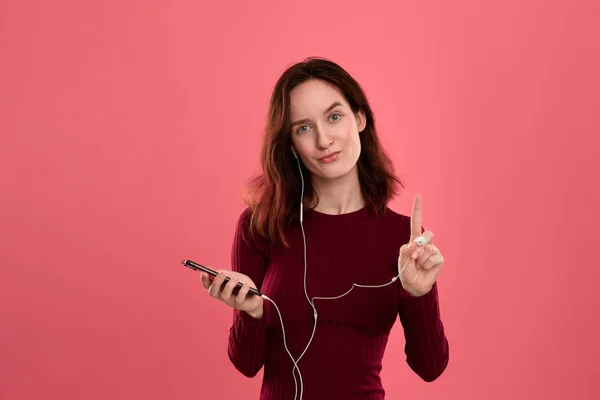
[[243, 222], [244, 216], [394, 217], [250, 237], [396, 224]]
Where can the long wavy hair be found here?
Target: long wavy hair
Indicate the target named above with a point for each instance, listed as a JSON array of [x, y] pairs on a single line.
[[273, 195]]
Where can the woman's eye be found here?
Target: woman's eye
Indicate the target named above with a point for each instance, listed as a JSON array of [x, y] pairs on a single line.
[[302, 128]]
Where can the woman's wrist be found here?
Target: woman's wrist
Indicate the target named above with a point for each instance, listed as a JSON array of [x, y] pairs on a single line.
[[258, 313]]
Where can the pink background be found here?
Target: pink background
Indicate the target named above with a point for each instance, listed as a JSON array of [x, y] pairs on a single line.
[[129, 127]]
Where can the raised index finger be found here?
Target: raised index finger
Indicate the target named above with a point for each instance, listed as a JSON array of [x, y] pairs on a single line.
[[416, 224]]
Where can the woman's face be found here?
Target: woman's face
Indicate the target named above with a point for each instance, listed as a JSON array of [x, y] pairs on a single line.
[[323, 124]]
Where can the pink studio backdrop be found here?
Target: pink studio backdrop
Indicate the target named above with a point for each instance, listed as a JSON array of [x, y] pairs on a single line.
[[128, 129]]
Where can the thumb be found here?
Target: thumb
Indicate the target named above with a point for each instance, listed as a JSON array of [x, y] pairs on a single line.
[[206, 279]]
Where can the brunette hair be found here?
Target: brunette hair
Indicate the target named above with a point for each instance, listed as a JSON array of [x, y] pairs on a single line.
[[274, 195]]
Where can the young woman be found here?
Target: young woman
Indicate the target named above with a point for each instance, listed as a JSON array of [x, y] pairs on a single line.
[[335, 280]]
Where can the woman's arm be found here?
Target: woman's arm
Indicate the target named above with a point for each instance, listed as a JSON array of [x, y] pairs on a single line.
[[426, 343], [247, 336]]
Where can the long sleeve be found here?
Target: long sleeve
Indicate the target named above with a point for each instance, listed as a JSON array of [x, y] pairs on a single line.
[[426, 347], [247, 336]]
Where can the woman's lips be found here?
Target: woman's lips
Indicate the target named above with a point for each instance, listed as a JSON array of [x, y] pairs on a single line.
[[330, 158]]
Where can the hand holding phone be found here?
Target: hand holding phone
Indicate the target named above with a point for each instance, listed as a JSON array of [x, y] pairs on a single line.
[[233, 288]]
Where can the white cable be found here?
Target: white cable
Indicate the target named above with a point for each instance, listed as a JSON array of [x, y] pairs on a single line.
[[419, 241], [285, 344]]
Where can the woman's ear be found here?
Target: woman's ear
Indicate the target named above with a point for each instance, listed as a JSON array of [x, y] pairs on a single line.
[[361, 120]]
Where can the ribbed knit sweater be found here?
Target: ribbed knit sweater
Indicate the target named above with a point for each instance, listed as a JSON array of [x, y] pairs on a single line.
[[344, 359]]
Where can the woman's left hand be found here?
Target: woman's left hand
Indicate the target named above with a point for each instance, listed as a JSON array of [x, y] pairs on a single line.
[[424, 262]]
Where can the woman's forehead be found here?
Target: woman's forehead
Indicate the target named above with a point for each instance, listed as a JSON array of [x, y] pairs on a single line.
[[314, 97]]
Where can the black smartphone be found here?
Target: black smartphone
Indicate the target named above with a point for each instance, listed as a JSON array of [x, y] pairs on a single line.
[[197, 267]]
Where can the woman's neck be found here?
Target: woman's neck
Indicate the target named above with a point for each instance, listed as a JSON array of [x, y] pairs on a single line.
[[339, 196]]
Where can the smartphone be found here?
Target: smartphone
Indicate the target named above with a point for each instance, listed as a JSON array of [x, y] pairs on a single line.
[[197, 267]]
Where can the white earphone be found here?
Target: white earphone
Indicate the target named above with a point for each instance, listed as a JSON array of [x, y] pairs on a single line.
[[420, 241]]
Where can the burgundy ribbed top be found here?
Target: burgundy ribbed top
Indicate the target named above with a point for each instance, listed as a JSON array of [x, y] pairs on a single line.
[[344, 359]]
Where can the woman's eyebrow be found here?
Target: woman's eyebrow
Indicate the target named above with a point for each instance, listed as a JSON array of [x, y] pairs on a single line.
[[331, 107]]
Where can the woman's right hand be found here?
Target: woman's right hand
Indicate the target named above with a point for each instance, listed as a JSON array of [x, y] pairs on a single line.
[[243, 301]]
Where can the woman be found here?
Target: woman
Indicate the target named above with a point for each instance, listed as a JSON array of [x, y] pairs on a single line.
[[331, 277]]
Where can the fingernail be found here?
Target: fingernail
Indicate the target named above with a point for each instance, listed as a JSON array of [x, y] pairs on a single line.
[[415, 255]]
